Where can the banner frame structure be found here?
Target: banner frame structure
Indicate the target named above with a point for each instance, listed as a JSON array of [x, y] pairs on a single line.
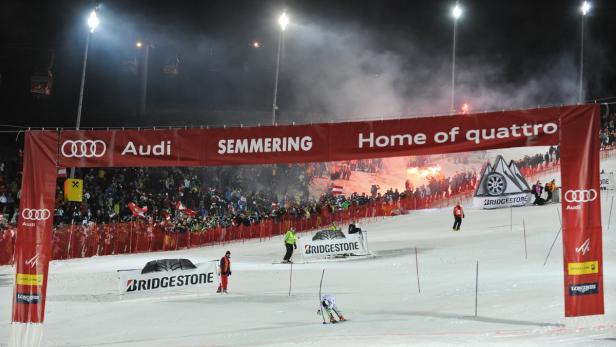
[[575, 128]]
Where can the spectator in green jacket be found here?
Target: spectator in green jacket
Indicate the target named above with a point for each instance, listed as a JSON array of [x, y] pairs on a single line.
[[289, 243]]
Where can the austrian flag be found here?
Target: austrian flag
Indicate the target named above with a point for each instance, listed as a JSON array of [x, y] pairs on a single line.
[[180, 207], [137, 211], [336, 190]]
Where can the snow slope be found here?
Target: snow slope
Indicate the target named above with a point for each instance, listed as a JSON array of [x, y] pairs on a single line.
[[520, 300]]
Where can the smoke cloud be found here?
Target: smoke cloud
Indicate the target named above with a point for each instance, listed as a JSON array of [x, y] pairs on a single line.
[[347, 74]]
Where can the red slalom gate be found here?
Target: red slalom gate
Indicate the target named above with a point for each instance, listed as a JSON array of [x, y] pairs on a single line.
[[575, 128]]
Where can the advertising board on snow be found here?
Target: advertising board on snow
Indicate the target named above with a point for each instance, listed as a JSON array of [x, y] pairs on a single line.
[[167, 278], [353, 244], [501, 186]]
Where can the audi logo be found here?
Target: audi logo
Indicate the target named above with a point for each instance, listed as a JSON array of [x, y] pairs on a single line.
[[35, 214], [83, 148], [580, 195]]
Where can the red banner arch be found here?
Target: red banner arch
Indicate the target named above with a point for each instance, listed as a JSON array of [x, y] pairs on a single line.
[[575, 128]]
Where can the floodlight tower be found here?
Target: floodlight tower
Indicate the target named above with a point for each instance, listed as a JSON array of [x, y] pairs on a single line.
[[283, 21], [456, 13], [93, 23], [585, 8]]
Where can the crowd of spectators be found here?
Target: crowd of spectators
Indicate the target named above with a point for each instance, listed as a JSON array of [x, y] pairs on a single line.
[[183, 199], [608, 131], [532, 162], [9, 188]]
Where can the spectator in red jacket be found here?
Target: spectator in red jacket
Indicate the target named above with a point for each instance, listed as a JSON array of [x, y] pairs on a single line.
[[458, 214], [225, 272]]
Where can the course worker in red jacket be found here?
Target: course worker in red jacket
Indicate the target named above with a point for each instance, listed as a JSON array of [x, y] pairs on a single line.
[[225, 272], [458, 214]]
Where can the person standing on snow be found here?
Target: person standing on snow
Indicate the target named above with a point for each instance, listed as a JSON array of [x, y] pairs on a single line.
[[458, 214], [225, 272], [328, 303], [290, 244]]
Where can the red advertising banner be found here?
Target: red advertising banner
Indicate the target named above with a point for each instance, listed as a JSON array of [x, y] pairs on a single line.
[[574, 127], [33, 242], [131, 148], [416, 136], [581, 210], [266, 145]]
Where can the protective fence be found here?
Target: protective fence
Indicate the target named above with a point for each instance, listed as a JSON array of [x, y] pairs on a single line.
[[78, 241], [574, 127], [138, 236]]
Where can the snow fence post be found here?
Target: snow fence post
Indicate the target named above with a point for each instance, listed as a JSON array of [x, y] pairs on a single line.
[[550, 251], [290, 278], [610, 217], [524, 228], [476, 285], [511, 218], [417, 268]]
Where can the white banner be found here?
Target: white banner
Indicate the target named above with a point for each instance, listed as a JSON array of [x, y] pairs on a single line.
[[355, 244], [133, 281], [490, 202]]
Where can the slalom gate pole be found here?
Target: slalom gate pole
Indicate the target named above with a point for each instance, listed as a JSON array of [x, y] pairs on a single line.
[[511, 218], [610, 217], [417, 268], [290, 278], [320, 306], [559, 219], [525, 249], [556, 238], [476, 285]]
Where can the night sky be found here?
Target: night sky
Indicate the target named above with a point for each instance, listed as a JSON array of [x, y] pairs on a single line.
[[341, 59]]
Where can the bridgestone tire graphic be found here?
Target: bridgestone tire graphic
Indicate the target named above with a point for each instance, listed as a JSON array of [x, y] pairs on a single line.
[[495, 184]]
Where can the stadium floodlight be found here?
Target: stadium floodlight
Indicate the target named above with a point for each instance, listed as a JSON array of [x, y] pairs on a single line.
[[283, 20], [456, 12], [93, 21], [585, 8]]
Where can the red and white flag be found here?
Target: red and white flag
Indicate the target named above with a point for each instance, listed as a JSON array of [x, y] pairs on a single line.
[[137, 211], [165, 214], [180, 207], [336, 190]]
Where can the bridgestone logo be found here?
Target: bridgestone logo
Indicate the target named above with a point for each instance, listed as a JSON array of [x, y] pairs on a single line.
[[133, 285], [335, 248], [505, 201], [583, 289]]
